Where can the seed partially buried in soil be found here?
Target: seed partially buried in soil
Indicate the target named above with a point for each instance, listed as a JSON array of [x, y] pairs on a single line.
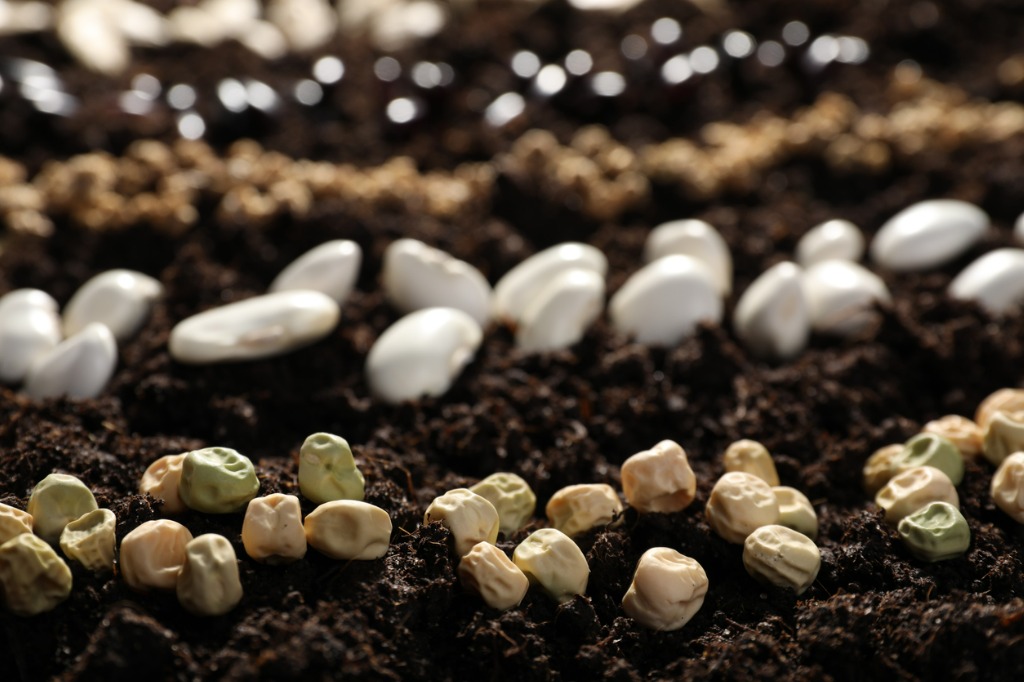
[[217, 481]]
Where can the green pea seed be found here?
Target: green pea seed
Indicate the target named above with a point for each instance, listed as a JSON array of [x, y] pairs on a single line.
[[327, 470], [56, 501], [932, 450], [217, 481], [935, 532]]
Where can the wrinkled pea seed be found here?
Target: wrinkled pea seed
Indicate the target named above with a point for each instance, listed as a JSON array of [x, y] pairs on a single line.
[[33, 578], [162, 480], [272, 531], [659, 479], [935, 532], [486, 571], [217, 481], [930, 449], [667, 591], [13, 521], [327, 470], [208, 584], [739, 503], [912, 489], [577, 508], [469, 517], [89, 540], [55, 501], [152, 554], [1003, 436], [349, 529], [550, 559], [796, 511], [961, 431], [751, 457], [1007, 487], [1003, 400], [512, 499], [782, 557], [880, 467]]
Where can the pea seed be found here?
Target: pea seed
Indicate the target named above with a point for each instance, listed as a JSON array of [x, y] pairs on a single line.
[[550, 559], [936, 532], [469, 517], [208, 584], [217, 481], [512, 499], [89, 540], [55, 501], [327, 470], [13, 521], [33, 578], [667, 591], [488, 572], [930, 449]]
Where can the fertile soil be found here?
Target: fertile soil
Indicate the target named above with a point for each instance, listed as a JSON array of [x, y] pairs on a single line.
[[556, 419]]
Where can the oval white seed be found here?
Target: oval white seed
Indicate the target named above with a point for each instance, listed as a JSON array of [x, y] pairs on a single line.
[[417, 276], [255, 328], [27, 332], [995, 281], [331, 269], [663, 302], [928, 234], [697, 239], [772, 317], [421, 354], [120, 299], [78, 367], [27, 298], [561, 312], [840, 295], [831, 240], [520, 285], [667, 591]]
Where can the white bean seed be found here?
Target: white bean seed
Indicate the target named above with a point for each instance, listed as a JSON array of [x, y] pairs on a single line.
[[520, 285], [561, 312], [995, 281], [772, 317], [120, 299], [928, 234], [841, 295], [831, 240], [331, 269], [694, 238]]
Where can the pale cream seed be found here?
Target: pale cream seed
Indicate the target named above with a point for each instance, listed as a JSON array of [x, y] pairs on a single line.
[[1007, 487], [161, 480], [349, 529], [796, 511], [667, 591], [960, 431], [912, 489], [751, 457], [659, 479], [209, 584], [152, 554], [880, 467], [740, 503], [578, 508], [469, 517], [33, 579], [782, 557], [89, 540], [272, 531], [1003, 400], [487, 571], [55, 501], [1003, 436], [13, 521], [550, 559]]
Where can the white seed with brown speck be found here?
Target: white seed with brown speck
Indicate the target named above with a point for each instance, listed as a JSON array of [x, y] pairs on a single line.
[[667, 591]]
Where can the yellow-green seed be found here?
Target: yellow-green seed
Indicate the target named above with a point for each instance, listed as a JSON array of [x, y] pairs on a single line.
[[327, 470], [33, 579], [936, 532], [89, 540], [511, 497], [217, 481], [13, 521], [933, 450], [57, 500]]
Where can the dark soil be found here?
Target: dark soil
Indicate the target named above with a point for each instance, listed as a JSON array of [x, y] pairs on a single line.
[[556, 419]]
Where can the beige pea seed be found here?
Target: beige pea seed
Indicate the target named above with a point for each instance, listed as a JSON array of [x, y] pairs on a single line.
[[960, 431], [577, 508], [667, 591], [486, 571], [469, 517], [550, 559], [32, 577], [512, 499], [1003, 400], [796, 511], [13, 521], [55, 501], [89, 540], [880, 467], [1003, 436], [751, 457], [349, 529], [738, 504], [327, 470], [912, 489], [1008, 486], [208, 584], [659, 479], [153, 553], [161, 480], [272, 531], [782, 557]]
